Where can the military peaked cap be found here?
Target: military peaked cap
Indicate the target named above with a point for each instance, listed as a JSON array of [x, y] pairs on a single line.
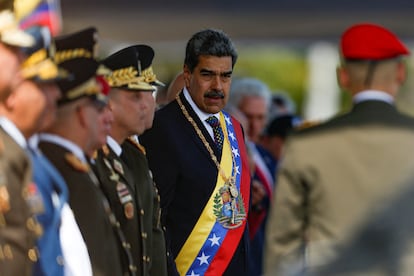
[[131, 69], [75, 53]]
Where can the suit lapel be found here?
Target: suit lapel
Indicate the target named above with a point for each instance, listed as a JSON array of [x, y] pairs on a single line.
[[190, 131]]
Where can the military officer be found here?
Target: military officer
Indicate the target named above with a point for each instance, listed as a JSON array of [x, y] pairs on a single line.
[[333, 175], [19, 196], [81, 127], [122, 167]]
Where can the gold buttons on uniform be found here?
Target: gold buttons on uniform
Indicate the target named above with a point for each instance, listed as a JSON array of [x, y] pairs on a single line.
[[144, 235], [146, 259], [32, 254], [7, 251], [33, 226], [133, 268], [142, 212]]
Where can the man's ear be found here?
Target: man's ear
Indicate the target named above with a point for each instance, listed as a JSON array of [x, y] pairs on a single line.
[[187, 75], [401, 72], [11, 100], [342, 77]]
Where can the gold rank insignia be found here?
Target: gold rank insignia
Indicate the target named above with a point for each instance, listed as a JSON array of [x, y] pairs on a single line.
[[137, 145], [4, 199], [76, 163]]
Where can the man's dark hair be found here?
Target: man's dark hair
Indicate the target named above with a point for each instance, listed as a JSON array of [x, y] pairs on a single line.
[[208, 42]]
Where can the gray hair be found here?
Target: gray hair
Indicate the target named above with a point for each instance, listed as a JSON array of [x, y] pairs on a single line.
[[245, 87]]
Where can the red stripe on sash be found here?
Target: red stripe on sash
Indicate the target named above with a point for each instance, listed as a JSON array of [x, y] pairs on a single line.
[[229, 245]]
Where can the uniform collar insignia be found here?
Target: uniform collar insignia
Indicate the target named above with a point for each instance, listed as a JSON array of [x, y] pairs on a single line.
[[137, 145], [105, 150], [76, 163]]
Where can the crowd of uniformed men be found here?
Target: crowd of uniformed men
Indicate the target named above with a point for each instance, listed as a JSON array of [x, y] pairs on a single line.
[[70, 202]]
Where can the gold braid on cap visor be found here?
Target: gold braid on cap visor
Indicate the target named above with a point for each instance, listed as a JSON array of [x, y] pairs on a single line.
[[62, 56], [10, 32], [129, 77], [89, 88], [40, 66]]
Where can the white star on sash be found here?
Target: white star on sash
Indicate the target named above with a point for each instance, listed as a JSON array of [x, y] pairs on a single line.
[[237, 169], [214, 240], [231, 135], [235, 152], [227, 118], [193, 274], [203, 259]]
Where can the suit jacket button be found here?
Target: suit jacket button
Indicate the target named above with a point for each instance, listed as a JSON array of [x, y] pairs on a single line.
[[144, 235], [142, 212]]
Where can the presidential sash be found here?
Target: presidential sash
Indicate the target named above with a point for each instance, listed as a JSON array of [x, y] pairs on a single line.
[[210, 247]]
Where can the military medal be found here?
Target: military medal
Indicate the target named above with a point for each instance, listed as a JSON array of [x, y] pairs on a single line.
[[34, 199], [129, 210], [114, 176], [228, 204], [118, 167], [126, 199]]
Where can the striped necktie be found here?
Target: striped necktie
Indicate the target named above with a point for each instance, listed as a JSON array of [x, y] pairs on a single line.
[[218, 132]]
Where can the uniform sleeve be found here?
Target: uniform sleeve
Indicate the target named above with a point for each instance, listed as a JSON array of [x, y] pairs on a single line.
[[285, 233]]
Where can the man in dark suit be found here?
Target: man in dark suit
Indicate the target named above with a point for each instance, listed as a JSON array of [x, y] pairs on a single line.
[[202, 170], [122, 169], [80, 128], [332, 176]]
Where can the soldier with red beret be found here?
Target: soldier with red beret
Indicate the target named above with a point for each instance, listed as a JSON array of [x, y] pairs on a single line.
[[333, 175]]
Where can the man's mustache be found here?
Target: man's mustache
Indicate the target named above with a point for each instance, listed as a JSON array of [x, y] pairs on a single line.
[[214, 94]]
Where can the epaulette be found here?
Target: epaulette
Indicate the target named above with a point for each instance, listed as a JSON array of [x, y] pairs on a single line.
[[105, 150], [306, 124], [1, 146], [4, 201], [95, 154], [76, 163], [137, 145]]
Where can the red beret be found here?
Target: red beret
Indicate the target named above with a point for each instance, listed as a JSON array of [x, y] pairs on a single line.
[[371, 42]]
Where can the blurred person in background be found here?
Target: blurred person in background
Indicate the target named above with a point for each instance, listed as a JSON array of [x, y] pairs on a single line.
[[252, 98], [276, 133], [332, 176], [168, 95], [281, 104]]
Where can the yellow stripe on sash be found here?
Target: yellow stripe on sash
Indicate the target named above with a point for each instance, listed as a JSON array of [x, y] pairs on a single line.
[[205, 223]]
